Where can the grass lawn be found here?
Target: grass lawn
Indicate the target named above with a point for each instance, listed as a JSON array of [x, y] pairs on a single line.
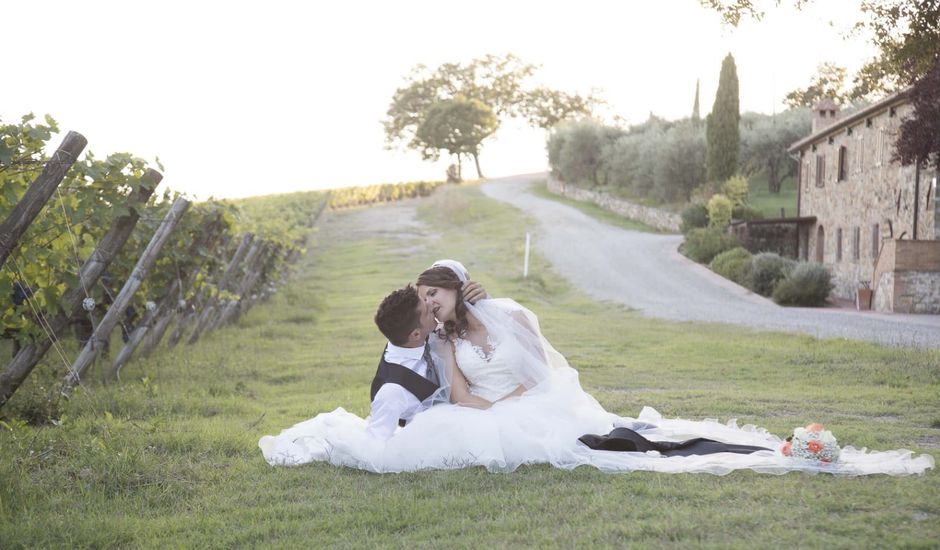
[[169, 457], [769, 203]]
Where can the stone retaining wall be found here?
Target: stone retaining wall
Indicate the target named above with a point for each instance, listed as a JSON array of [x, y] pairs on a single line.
[[907, 277], [653, 217]]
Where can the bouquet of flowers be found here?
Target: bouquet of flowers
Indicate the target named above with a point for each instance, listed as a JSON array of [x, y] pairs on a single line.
[[812, 443]]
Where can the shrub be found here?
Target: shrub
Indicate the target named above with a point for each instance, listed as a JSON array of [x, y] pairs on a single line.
[[733, 264], [746, 212], [719, 210], [693, 217], [766, 270], [735, 188], [703, 244], [808, 284]]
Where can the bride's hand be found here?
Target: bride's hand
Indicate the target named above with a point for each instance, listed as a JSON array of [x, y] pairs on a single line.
[[474, 291]]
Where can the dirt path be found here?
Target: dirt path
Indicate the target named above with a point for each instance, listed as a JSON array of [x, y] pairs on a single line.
[[645, 271]]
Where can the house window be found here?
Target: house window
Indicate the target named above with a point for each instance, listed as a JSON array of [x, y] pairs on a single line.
[[820, 170], [880, 147], [820, 244], [839, 244], [859, 153], [892, 111], [875, 241], [857, 243], [868, 123], [843, 163]]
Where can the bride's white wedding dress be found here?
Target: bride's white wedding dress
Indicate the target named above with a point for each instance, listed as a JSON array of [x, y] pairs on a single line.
[[543, 426]]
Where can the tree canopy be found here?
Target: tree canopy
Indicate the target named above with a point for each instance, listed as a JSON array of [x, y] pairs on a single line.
[[919, 136], [829, 82], [457, 126], [495, 84]]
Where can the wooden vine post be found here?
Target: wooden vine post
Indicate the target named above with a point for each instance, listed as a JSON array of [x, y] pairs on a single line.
[[137, 335], [190, 314], [71, 304], [39, 193], [169, 307], [123, 299], [223, 285], [252, 263]]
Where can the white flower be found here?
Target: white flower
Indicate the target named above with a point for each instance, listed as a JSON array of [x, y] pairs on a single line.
[[151, 305], [88, 304]]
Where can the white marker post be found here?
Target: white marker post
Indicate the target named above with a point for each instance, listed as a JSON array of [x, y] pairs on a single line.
[[525, 268]]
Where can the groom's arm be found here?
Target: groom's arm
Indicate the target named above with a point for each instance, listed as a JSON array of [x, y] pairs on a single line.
[[390, 404]]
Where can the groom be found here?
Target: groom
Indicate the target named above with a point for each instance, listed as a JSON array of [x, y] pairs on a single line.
[[406, 375]]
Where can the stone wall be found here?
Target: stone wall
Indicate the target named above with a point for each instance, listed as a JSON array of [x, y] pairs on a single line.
[[907, 277], [779, 238], [653, 217], [917, 292]]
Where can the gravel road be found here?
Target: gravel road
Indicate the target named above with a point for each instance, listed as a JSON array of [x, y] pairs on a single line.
[[644, 271]]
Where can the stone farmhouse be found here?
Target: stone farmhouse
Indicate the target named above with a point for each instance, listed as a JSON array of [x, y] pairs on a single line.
[[873, 222]]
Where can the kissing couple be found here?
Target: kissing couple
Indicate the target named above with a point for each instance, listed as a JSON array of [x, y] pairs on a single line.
[[467, 380]]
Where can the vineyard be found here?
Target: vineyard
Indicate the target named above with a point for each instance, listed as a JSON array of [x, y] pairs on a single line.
[[97, 267]]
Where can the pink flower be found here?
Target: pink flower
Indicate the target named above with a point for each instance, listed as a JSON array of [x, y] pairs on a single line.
[[786, 448], [814, 427]]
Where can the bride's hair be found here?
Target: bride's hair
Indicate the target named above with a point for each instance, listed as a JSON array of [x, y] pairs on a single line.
[[444, 277]]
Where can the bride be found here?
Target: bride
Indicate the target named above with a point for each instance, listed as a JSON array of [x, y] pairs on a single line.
[[507, 398]]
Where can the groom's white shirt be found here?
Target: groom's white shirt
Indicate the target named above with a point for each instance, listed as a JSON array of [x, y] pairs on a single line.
[[392, 400]]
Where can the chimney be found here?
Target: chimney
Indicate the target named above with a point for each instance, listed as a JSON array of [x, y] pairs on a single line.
[[825, 113]]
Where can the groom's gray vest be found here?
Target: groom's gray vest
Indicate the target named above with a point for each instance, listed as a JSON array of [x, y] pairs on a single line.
[[393, 373]]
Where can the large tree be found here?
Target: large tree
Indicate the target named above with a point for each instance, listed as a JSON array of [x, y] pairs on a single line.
[[457, 126], [496, 82], [764, 142], [722, 139], [919, 138], [829, 82]]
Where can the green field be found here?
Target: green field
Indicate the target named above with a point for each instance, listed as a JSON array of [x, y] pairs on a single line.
[[169, 457], [769, 203]]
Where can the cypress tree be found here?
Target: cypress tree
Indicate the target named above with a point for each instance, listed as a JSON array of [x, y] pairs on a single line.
[[696, 117], [722, 138]]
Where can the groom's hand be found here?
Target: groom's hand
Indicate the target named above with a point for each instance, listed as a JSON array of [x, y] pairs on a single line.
[[474, 291]]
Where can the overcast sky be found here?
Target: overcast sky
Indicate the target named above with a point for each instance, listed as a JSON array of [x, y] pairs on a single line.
[[249, 98]]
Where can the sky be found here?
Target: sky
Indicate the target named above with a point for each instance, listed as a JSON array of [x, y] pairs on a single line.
[[242, 98]]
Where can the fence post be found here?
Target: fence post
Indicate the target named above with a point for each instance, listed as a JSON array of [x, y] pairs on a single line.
[[108, 248], [207, 311], [123, 299], [168, 306], [39, 193], [252, 261]]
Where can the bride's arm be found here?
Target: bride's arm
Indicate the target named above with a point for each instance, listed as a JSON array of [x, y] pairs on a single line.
[[459, 390], [515, 393]]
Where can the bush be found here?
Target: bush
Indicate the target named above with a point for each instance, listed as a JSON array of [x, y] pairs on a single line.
[[719, 210], [703, 244], [694, 217], [733, 264], [808, 284], [746, 212], [735, 188], [766, 270]]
